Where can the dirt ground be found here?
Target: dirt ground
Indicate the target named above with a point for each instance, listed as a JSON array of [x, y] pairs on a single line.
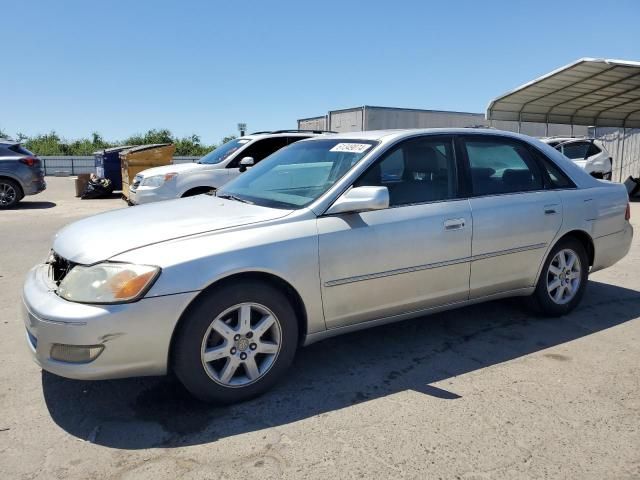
[[489, 391]]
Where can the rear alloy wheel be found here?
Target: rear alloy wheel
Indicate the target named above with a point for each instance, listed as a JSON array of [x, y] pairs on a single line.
[[563, 279], [10, 193], [564, 276], [235, 342]]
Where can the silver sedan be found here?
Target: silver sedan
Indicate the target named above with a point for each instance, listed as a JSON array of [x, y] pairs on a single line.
[[326, 236]]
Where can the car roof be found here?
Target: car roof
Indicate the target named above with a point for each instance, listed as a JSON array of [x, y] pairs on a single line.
[[7, 141], [566, 139], [398, 134], [283, 133]]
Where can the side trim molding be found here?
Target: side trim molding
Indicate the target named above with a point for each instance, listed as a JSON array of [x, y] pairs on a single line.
[[429, 266]]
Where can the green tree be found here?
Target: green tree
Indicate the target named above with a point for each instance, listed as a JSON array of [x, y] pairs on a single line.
[[228, 138], [52, 144]]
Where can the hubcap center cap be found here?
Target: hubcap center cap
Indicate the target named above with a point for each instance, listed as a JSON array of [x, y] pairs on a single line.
[[242, 344]]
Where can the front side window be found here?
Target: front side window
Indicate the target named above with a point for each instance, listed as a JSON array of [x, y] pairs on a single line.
[[418, 170], [295, 176], [501, 166]]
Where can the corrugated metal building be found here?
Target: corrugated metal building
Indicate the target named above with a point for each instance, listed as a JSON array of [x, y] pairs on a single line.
[[313, 123], [381, 118]]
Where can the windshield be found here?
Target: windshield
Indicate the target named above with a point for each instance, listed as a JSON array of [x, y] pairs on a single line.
[[296, 175], [223, 151]]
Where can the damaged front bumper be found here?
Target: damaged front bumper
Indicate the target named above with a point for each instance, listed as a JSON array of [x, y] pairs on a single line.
[[94, 342]]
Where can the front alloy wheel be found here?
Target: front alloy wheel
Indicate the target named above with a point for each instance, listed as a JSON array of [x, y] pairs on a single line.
[[241, 345], [235, 341]]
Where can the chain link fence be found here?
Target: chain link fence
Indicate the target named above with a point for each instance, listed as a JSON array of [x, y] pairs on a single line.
[[64, 166]]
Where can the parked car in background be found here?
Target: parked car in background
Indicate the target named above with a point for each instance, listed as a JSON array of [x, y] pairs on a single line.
[[214, 169], [21, 173], [327, 236], [588, 153]]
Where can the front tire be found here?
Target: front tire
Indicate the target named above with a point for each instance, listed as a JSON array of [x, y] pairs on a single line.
[[236, 342], [563, 279]]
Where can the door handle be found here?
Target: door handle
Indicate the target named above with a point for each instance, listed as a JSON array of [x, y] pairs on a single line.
[[454, 224], [551, 209]]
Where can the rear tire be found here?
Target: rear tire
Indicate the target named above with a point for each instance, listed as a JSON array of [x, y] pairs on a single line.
[[563, 279], [235, 342], [10, 193]]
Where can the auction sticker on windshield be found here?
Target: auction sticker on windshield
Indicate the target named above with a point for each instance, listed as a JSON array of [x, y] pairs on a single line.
[[351, 147]]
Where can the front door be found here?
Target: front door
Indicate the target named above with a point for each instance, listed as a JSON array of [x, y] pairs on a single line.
[[408, 257]]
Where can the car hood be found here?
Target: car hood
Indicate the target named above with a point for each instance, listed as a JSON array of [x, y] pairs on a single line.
[[179, 167], [103, 236]]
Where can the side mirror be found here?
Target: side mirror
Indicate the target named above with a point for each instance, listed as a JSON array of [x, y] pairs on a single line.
[[245, 163], [361, 199]]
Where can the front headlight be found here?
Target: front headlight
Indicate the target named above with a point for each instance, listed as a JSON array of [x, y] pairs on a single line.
[[158, 180], [107, 283]]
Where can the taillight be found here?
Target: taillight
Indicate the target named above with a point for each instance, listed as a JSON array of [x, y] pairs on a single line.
[[627, 213], [29, 161]]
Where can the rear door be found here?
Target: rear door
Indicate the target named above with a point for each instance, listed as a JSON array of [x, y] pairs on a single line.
[[515, 218]]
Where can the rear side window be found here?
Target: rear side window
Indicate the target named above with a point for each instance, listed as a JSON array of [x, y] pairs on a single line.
[[19, 149], [555, 177], [500, 166], [259, 150]]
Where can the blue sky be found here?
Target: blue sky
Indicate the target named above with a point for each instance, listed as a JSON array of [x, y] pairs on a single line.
[[122, 67]]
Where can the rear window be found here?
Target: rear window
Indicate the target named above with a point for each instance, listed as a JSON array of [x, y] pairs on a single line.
[[593, 150], [576, 151]]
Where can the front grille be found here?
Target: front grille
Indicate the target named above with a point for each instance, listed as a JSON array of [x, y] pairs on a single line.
[[58, 267]]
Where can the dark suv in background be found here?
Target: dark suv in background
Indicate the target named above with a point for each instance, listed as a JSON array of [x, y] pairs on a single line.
[[21, 173]]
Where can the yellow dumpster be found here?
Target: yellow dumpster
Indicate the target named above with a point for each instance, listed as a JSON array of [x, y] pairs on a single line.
[[136, 159]]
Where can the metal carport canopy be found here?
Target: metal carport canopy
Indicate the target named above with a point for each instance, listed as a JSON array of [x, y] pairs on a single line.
[[590, 91]]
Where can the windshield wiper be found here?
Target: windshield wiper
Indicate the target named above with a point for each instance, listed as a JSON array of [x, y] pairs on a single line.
[[228, 196]]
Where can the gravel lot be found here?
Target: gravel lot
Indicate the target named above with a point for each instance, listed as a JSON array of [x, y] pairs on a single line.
[[489, 391]]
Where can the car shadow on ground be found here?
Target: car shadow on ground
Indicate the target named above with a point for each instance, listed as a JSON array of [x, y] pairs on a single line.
[[27, 205], [334, 374], [108, 196]]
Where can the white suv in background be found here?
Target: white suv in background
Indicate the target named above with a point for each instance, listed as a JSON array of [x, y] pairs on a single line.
[[214, 169], [587, 153]]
